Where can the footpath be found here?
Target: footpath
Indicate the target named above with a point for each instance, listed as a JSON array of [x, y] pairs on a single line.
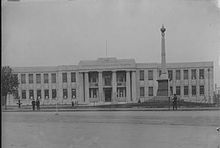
[[98, 108]]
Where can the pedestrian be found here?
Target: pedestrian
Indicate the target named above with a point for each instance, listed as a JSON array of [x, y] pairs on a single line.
[[33, 104], [175, 102], [38, 104], [19, 103]]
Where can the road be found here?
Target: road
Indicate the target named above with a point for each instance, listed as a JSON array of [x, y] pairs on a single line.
[[141, 129]]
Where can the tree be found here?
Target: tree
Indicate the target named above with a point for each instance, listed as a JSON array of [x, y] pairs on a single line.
[[9, 82]]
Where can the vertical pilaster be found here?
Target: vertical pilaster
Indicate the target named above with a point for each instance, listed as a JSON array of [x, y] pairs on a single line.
[[197, 85], [86, 87], [100, 84], [114, 86], [190, 83], [134, 88], [128, 88]]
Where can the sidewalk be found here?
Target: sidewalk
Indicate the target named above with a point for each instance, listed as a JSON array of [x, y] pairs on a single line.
[[90, 108]]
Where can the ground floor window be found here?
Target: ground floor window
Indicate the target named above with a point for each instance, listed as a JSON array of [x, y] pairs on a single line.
[[23, 94], [31, 94], [46, 93], [121, 92], [186, 90], [65, 93], [92, 92], [141, 91], [54, 93], [39, 94], [201, 90], [150, 91], [194, 90], [177, 90]]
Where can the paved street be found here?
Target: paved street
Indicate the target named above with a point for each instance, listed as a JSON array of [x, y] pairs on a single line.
[[153, 129]]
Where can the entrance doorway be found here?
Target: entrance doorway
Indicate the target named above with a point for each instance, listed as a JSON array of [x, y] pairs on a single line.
[[108, 94]]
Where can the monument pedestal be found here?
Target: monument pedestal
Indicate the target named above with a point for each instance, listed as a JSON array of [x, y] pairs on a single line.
[[162, 87]]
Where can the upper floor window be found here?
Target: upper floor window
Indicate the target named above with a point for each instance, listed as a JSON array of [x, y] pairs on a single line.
[[73, 77], [64, 76], [53, 78], [193, 74], [141, 75], [150, 74], [170, 74], [23, 78], [31, 78], [38, 78], [186, 74], [201, 73], [46, 79], [177, 74]]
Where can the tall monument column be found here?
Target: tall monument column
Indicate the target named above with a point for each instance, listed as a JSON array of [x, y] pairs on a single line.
[[163, 79]]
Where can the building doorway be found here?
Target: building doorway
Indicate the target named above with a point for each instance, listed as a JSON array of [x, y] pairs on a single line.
[[108, 94]]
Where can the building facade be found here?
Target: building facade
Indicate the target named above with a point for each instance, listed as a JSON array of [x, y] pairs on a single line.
[[111, 80]]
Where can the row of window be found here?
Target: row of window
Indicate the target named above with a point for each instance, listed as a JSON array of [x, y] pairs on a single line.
[[47, 94], [46, 78], [186, 90], [178, 74]]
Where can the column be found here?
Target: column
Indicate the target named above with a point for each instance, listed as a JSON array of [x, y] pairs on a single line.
[[182, 83], [81, 87], [134, 88], [114, 86], [206, 85], [86, 87], [128, 88], [197, 86], [78, 87], [69, 93], [190, 83], [100, 84], [174, 81]]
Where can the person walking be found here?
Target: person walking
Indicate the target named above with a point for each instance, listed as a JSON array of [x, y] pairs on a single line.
[[33, 104], [175, 102], [38, 104]]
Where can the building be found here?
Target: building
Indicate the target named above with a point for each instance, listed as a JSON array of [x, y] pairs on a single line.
[[111, 80]]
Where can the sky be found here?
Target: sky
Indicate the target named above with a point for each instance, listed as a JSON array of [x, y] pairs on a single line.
[[63, 32]]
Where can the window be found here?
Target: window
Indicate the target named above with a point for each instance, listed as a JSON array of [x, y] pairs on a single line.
[[23, 79], [121, 77], [73, 77], [54, 93], [46, 93], [193, 76], [23, 94], [177, 90], [186, 90], [201, 74], [65, 94], [150, 91], [74, 93], [193, 90], [177, 74], [64, 76], [38, 78], [141, 75], [31, 94], [201, 90], [141, 91], [160, 72], [53, 78], [150, 75], [170, 74], [171, 90], [39, 94], [121, 92], [92, 92], [46, 78], [15, 94], [31, 79], [186, 74]]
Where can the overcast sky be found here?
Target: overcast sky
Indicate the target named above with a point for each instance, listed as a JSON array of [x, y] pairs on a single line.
[[63, 32]]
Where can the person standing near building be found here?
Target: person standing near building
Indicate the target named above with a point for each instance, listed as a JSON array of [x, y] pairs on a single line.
[[38, 104], [175, 102], [33, 104]]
